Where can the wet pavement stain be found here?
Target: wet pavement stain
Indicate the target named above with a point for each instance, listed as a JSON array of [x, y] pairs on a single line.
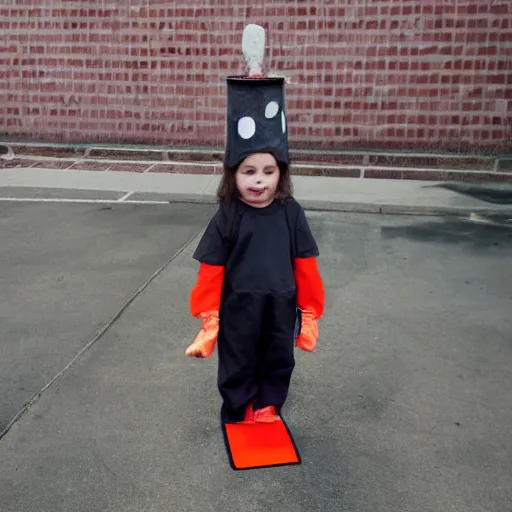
[[490, 232], [490, 193]]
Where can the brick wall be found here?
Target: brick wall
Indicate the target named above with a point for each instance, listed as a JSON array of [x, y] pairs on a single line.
[[411, 74]]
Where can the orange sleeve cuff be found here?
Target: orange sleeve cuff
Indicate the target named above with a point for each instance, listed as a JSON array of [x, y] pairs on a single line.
[[310, 288], [206, 294]]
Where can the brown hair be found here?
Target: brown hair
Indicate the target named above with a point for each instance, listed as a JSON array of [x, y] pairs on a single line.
[[227, 190]]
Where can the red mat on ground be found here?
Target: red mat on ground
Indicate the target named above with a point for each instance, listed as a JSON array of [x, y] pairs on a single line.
[[260, 445]]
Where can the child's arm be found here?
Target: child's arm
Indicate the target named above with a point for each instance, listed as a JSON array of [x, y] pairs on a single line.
[[310, 288], [310, 299], [205, 297], [205, 304]]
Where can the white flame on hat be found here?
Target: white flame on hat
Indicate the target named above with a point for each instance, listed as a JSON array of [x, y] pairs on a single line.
[[253, 48]]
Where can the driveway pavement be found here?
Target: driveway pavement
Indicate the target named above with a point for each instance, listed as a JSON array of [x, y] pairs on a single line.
[[66, 271], [405, 406]]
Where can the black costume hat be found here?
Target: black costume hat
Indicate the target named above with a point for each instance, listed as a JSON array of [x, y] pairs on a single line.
[[256, 112], [256, 119]]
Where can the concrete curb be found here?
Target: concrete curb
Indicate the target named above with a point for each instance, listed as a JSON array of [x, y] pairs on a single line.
[[326, 170], [482, 166], [379, 208], [373, 208], [343, 206], [391, 209]]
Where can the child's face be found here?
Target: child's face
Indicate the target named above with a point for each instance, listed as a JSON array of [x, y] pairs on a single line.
[[257, 179]]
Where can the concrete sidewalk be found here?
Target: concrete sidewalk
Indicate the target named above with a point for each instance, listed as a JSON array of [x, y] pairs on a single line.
[[404, 407], [315, 193]]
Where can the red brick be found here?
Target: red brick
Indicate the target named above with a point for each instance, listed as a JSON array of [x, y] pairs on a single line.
[[90, 166], [186, 169], [350, 65], [53, 164], [128, 167]]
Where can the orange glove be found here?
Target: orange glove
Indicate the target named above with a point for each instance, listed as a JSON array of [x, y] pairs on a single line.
[[308, 336], [205, 341]]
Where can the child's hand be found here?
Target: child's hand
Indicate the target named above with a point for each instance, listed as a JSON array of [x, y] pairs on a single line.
[[204, 343], [308, 337]]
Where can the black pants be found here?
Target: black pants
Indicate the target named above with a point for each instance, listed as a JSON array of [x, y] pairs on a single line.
[[256, 351]]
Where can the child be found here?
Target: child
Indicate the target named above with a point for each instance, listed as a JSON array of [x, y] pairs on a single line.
[[258, 265]]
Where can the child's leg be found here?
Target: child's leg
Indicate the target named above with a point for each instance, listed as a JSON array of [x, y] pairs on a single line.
[[277, 361], [238, 346]]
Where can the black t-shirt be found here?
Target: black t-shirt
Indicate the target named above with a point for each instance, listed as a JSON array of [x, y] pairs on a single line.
[[259, 254]]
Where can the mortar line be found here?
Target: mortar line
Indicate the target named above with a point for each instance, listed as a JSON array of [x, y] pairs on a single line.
[[98, 336], [113, 160], [149, 168], [85, 201], [126, 196]]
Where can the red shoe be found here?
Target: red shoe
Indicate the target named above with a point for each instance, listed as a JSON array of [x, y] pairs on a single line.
[[249, 415], [266, 415]]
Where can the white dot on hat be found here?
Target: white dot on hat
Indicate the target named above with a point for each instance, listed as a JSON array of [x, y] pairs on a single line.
[[246, 127], [283, 122], [271, 109]]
